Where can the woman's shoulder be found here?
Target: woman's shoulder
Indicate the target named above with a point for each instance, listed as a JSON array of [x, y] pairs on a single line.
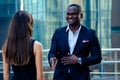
[[37, 47], [4, 47], [37, 43]]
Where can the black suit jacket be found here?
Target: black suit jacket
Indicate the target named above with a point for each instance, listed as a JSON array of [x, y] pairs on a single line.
[[87, 47]]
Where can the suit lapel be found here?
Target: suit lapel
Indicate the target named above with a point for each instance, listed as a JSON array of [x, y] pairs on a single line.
[[65, 41], [79, 40]]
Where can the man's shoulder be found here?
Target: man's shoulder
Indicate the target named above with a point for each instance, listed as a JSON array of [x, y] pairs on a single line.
[[87, 29]]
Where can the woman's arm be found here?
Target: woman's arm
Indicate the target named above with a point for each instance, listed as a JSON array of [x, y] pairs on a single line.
[[6, 67], [38, 60]]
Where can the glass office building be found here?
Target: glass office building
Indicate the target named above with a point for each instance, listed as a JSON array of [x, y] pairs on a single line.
[[51, 14], [7, 9]]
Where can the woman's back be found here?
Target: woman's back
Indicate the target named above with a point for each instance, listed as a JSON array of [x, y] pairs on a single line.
[[26, 72]]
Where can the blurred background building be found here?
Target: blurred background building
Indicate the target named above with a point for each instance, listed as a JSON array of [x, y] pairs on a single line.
[[101, 15]]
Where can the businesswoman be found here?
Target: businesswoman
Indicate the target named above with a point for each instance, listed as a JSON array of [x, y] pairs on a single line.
[[20, 51]]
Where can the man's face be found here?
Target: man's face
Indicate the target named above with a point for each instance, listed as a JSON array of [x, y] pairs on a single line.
[[72, 16]]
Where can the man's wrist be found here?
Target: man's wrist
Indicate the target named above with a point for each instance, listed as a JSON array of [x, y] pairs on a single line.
[[79, 61]]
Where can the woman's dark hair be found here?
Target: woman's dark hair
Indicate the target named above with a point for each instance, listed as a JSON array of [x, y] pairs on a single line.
[[18, 40]]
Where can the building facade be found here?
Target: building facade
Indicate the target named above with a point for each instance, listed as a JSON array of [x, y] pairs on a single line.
[[7, 9]]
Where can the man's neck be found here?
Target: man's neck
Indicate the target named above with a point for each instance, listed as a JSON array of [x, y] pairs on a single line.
[[74, 28]]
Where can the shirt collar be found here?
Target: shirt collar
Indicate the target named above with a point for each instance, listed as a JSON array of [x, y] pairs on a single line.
[[68, 28]]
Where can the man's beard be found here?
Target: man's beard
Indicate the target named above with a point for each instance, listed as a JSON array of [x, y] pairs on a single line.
[[74, 24]]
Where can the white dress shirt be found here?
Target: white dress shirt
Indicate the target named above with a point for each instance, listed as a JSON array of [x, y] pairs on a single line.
[[72, 38]]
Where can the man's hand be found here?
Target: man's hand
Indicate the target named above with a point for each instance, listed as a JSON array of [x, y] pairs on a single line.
[[53, 62], [70, 59]]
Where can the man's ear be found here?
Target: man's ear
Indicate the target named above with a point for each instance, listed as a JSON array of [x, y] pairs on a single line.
[[81, 15]]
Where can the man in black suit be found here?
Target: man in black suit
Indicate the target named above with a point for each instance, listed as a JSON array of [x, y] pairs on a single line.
[[74, 48]]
